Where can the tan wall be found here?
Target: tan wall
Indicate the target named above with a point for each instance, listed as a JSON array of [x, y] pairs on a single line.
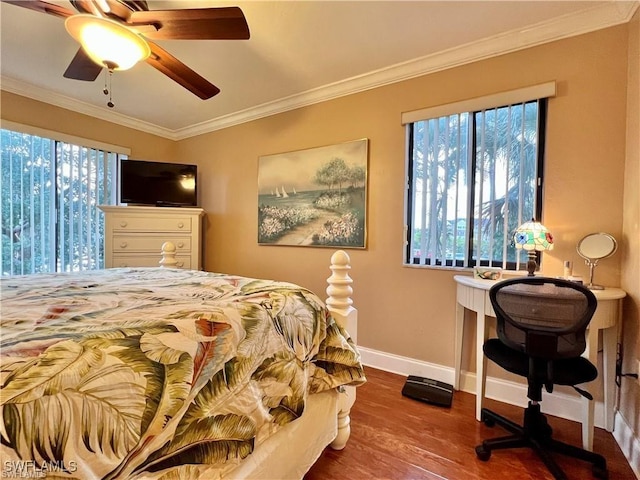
[[42, 115], [630, 389], [410, 311]]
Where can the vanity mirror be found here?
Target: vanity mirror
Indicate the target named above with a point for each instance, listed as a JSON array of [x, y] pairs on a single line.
[[595, 247]]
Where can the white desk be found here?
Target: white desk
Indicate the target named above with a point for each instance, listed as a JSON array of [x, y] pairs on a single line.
[[473, 294]]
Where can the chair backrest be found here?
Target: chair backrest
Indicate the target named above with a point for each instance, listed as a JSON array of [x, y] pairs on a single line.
[[543, 317]]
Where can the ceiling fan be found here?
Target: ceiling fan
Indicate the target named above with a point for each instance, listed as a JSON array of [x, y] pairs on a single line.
[[116, 34]]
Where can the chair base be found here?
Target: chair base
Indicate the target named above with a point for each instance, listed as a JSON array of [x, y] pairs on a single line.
[[536, 434]]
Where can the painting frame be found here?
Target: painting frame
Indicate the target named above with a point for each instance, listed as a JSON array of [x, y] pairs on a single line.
[[315, 197]]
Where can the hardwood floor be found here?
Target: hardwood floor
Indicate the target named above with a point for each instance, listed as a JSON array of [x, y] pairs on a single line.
[[397, 438]]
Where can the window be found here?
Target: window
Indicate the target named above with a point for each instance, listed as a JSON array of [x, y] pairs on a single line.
[[50, 191], [474, 174]]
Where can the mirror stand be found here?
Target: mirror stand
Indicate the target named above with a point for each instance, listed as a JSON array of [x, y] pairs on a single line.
[[592, 264], [594, 247]]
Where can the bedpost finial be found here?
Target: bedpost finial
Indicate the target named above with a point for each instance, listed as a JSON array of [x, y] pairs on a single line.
[[168, 255], [168, 247], [339, 290], [340, 257]]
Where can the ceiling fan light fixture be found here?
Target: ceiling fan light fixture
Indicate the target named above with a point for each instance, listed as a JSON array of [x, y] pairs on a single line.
[[107, 42]]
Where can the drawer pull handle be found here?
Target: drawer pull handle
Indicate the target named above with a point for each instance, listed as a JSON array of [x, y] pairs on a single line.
[[180, 224], [123, 224], [180, 245], [123, 245], [180, 264]]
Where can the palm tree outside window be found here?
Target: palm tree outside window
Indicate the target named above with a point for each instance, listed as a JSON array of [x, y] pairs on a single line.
[[50, 191], [473, 177]]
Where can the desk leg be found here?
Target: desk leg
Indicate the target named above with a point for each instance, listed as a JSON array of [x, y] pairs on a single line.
[[481, 362], [609, 375], [588, 407], [458, 345]]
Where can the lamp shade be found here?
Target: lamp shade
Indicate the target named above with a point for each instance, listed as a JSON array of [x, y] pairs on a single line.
[[533, 236], [107, 42]]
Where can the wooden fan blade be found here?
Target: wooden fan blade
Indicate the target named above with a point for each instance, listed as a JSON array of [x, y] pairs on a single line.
[[82, 68], [115, 9], [42, 7], [173, 68], [86, 6], [224, 23]]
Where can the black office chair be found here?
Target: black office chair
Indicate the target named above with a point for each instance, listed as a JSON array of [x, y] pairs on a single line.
[[541, 325]]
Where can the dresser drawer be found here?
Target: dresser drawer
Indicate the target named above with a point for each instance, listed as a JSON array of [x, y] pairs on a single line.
[[184, 261], [130, 223], [134, 235], [140, 243]]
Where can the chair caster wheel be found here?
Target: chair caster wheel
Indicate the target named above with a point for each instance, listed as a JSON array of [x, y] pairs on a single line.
[[488, 421], [482, 453], [600, 472]]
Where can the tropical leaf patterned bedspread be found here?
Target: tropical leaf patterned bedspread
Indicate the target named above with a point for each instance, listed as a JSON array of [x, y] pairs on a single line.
[[131, 373]]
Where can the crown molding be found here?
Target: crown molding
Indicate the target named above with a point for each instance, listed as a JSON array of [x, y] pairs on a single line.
[[588, 20], [40, 94], [595, 18]]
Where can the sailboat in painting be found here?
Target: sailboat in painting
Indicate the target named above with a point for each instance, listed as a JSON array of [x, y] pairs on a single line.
[[284, 193]]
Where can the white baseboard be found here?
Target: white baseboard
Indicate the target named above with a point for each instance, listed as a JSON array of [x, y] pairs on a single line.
[[404, 365], [628, 442], [558, 404]]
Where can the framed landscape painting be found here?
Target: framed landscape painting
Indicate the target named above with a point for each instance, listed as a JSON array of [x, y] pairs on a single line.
[[315, 197]]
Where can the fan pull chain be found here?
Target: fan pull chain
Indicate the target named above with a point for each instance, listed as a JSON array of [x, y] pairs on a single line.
[[107, 91], [110, 103]]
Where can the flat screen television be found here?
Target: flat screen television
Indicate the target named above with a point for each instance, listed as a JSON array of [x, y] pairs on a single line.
[[157, 183]]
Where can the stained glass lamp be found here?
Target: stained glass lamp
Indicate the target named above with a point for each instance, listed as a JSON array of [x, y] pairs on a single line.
[[533, 237]]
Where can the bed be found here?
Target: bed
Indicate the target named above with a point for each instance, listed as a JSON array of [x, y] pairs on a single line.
[[162, 373]]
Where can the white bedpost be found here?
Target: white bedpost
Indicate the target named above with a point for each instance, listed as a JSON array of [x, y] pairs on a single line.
[[340, 305], [168, 255], [339, 294]]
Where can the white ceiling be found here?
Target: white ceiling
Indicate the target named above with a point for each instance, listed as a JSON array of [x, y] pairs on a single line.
[[300, 52]]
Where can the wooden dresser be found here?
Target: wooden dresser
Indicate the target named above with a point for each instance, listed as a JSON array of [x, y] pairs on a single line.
[[134, 235]]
